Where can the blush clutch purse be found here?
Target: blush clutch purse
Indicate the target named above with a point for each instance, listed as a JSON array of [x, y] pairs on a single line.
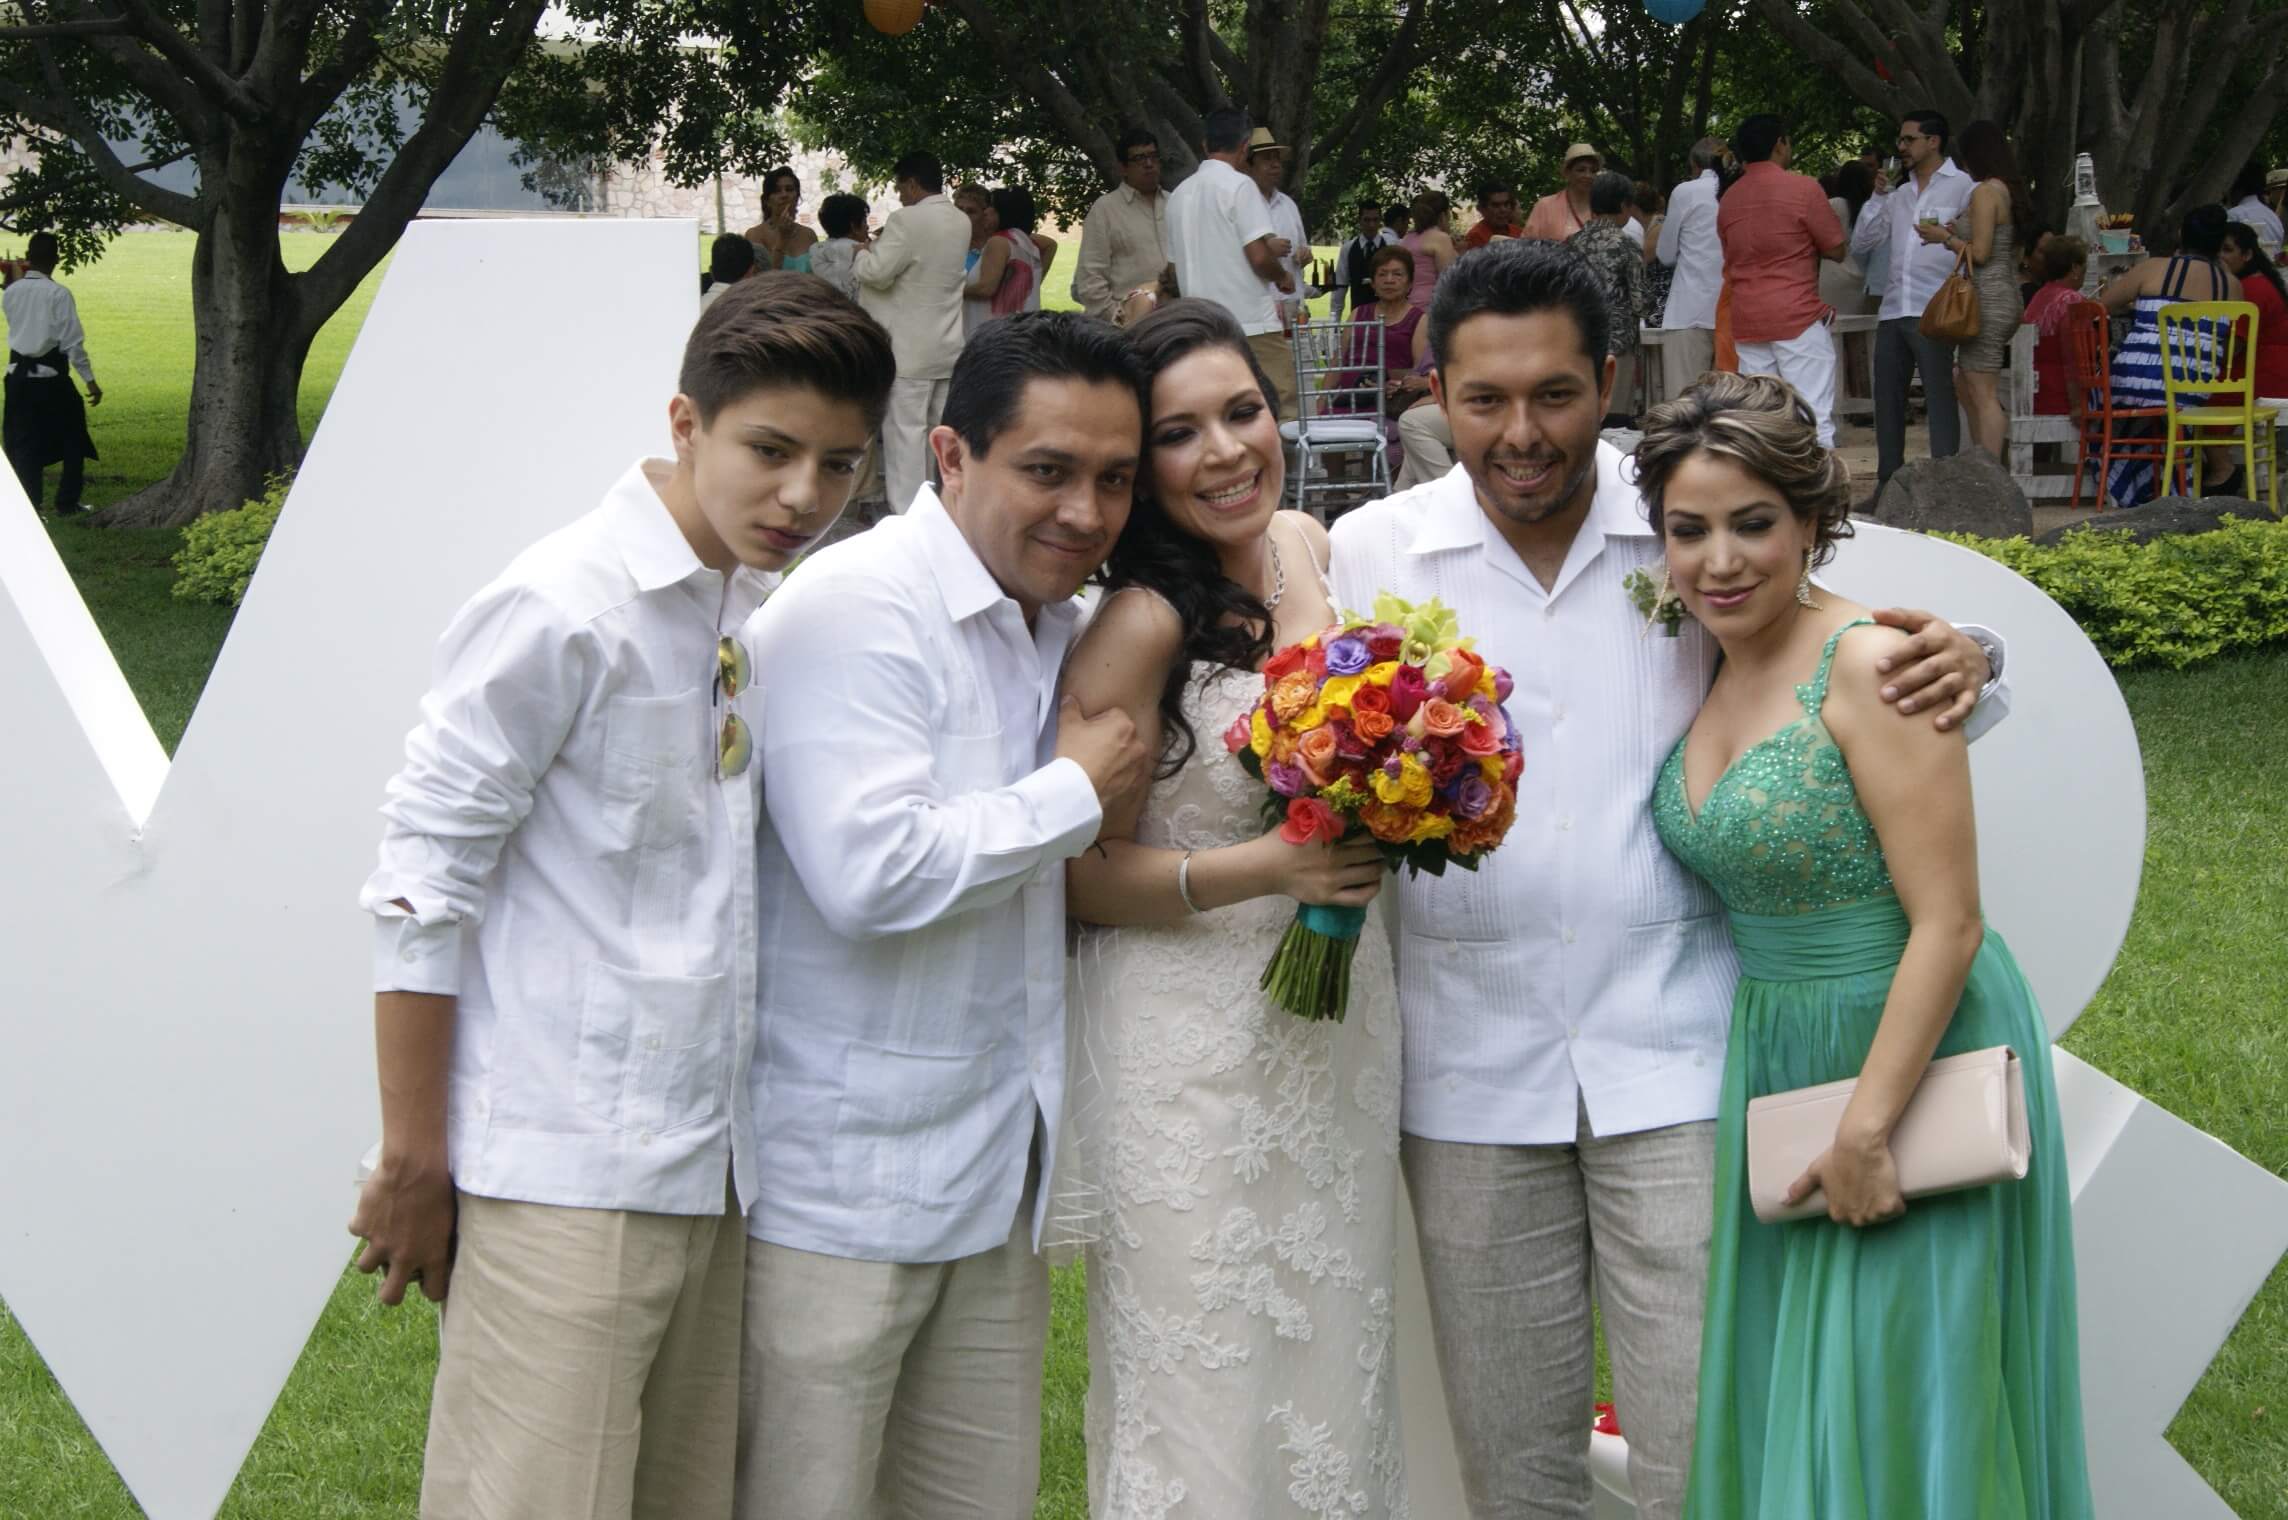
[[1964, 1127]]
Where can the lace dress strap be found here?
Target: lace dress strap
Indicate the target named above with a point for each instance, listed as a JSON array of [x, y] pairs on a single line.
[[1813, 693]]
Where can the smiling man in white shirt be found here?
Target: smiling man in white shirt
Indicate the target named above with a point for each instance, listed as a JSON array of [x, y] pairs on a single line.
[[565, 961], [924, 794], [1934, 191], [1565, 1006]]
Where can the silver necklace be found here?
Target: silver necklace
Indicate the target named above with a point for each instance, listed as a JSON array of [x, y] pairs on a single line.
[[1278, 576]]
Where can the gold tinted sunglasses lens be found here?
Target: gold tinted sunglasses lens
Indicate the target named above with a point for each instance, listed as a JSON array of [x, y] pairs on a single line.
[[735, 749], [731, 667]]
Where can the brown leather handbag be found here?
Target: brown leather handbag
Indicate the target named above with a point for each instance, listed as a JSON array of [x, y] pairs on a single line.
[[1952, 316]]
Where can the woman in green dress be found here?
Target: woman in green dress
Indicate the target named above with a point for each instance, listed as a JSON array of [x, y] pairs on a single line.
[[1893, 1360]]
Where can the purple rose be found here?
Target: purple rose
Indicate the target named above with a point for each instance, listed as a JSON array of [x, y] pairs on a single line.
[[1473, 797], [1287, 780], [1503, 685], [1347, 656]]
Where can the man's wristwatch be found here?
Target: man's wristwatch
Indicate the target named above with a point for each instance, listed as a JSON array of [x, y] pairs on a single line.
[[1992, 648]]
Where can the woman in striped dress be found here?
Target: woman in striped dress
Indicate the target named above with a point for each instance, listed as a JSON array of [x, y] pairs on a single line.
[[2192, 273]]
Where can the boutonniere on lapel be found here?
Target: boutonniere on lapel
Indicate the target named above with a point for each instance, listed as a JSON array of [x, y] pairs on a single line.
[[1655, 602]]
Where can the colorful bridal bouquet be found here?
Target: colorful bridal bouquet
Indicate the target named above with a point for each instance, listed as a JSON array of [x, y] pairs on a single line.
[[1387, 726]]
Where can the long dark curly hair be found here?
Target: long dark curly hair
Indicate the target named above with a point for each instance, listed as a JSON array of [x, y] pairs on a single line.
[[1224, 623]]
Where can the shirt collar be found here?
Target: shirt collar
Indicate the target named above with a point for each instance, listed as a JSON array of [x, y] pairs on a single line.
[[1456, 521], [1136, 197], [962, 579], [641, 528]]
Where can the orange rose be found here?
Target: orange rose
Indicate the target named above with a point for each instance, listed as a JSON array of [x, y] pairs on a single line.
[[1283, 741], [1292, 693], [1316, 751], [1443, 718], [1388, 823], [1462, 675]]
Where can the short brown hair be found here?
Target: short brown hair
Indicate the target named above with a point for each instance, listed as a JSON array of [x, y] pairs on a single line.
[[1765, 428], [1391, 253], [2062, 255], [782, 330]]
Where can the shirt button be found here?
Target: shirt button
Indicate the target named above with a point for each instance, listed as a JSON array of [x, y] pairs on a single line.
[[1572, 1031], [1565, 821], [644, 1138], [1557, 716], [1549, 612], [1569, 936], [405, 956], [652, 1043]]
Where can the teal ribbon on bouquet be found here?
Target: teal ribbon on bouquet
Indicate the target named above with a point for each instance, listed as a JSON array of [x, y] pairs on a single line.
[[1310, 973]]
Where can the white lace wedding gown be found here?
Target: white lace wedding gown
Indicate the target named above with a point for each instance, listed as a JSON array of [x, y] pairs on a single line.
[[1240, 1298]]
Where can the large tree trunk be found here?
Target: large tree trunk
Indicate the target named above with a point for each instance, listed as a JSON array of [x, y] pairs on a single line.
[[251, 346]]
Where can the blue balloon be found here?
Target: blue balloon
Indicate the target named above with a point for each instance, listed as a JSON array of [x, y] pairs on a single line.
[[1674, 12]]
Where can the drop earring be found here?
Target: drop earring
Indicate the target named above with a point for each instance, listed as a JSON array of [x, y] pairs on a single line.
[[1803, 596]]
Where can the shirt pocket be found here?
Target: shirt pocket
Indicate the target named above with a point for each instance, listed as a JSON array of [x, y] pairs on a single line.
[[970, 763], [913, 1127], [657, 757], [651, 1049]]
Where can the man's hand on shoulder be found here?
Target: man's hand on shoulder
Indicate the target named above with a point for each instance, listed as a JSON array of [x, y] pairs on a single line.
[[1939, 667]]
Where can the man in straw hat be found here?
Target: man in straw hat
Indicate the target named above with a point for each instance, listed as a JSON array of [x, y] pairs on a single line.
[[1267, 166]]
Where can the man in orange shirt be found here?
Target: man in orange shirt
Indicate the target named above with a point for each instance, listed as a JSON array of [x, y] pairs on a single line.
[[1775, 228], [1557, 217], [1497, 214]]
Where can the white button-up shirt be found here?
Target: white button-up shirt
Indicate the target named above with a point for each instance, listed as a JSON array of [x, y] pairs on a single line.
[[1212, 217], [1689, 245], [1888, 220], [1581, 963], [1123, 245], [579, 875], [1287, 222], [912, 869], [43, 316]]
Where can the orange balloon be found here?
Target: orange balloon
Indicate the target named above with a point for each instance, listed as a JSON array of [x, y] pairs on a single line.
[[895, 17]]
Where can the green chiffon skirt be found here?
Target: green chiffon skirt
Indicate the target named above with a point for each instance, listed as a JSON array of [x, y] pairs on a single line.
[[1924, 1369]]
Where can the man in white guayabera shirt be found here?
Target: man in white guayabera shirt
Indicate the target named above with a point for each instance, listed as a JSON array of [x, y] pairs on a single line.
[[1565, 1005], [924, 793]]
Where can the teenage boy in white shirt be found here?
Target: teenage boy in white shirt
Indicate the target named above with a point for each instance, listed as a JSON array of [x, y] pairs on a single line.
[[565, 964]]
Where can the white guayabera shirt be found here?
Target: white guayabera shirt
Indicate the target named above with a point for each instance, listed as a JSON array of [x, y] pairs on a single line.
[[1581, 962], [580, 876], [913, 888]]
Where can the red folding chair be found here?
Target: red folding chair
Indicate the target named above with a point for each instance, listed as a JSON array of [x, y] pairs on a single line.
[[2089, 398]]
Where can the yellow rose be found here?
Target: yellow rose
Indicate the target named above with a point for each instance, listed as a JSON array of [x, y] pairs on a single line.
[[1430, 826], [1409, 788], [1259, 734], [1337, 691], [1379, 675]]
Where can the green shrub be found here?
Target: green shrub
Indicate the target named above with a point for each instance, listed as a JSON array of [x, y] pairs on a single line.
[[2174, 601], [221, 549]]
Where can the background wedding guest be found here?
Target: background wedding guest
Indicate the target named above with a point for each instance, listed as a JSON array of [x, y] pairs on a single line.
[[924, 792], [1561, 213], [2065, 264], [2246, 204], [1398, 219], [1431, 242], [1933, 192], [1689, 245], [1777, 230], [846, 222], [1013, 262], [910, 280], [2195, 272], [1124, 241], [1997, 222], [42, 420], [1225, 248], [730, 259], [2260, 285], [1497, 214], [586, 737], [1354, 276], [782, 242], [976, 203], [1925, 1351], [1618, 265], [1267, 166]]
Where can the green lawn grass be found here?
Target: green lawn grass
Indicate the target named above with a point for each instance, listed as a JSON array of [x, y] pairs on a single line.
[[2192, 1016]]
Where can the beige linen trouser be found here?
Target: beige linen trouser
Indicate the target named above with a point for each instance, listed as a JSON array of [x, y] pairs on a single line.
[[589, 1367], [1513, 1239], [875, 1390]]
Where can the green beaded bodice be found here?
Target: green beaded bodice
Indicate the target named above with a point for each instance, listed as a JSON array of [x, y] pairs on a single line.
[[1782, 831]]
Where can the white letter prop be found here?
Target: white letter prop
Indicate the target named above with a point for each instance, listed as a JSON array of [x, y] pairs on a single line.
[[2174, 1232], [186, 1049]]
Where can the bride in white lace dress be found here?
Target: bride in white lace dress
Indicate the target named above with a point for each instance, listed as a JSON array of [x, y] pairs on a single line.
[[1241, 1164]]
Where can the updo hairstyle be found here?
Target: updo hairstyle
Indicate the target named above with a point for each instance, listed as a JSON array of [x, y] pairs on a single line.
[[1765, 428]]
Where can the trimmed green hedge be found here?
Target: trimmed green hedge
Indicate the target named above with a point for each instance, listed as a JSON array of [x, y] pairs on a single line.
[[221, 549], [2174, 601]]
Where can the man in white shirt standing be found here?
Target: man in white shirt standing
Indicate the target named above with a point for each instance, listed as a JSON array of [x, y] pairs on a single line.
[[1225, 249], [564, 956], [1124, 242], [1934, 191], [1689, 245], [1565, 1006], [924, 792], [42, 420], [909, 280], [1267, 166], [2248, 207]]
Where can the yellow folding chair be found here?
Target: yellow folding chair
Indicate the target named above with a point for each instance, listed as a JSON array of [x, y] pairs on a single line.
[[2208, 372]]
